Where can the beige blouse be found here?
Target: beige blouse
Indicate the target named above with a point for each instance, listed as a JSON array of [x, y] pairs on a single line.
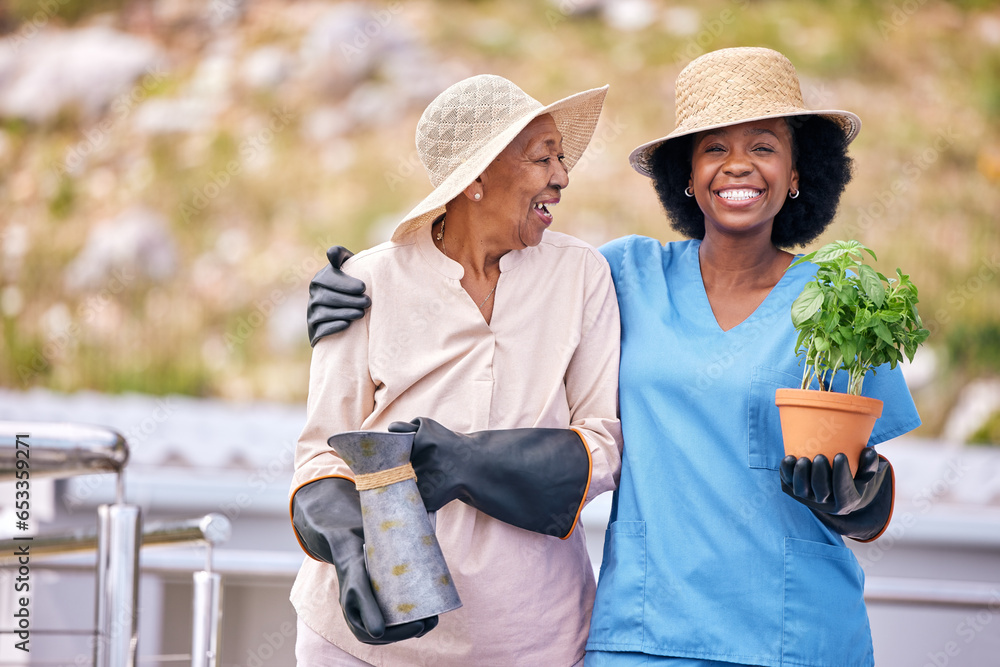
[[548, 358]]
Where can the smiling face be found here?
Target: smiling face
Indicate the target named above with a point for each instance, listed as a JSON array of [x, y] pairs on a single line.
[[742, 174], [520, 187]]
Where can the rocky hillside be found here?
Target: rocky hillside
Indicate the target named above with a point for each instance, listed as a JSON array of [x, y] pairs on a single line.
[[171, 171]]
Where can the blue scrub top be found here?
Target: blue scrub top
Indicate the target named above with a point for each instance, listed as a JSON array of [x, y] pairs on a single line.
[[705, 556]]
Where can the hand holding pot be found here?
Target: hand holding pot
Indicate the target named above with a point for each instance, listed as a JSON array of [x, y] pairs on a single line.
[[857, 507]]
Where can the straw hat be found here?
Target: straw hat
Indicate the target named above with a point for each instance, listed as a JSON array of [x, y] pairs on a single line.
[[732, 86], [463, 130]]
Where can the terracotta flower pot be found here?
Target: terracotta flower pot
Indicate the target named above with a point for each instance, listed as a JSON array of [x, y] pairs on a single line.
[[826, 422]]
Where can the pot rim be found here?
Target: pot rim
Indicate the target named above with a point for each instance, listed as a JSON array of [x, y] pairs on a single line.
[[833, 400]]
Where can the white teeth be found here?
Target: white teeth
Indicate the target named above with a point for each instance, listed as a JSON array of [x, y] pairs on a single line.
[[738, 195]]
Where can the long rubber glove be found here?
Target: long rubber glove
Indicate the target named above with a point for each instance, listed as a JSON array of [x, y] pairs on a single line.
[[326, 515], [857, 507], [532, 478], [335, 298]]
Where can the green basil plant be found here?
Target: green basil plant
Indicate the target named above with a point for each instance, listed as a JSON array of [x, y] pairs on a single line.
[[852, 318]]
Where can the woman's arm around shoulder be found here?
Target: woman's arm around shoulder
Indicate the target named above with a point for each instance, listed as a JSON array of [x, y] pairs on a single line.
[[592, 377]]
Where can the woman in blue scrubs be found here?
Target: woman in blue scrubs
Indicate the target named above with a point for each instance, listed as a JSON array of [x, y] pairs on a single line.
[[719, 550]]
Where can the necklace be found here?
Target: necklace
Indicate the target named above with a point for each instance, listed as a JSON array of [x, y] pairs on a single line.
[[489, 295], [444, 248]]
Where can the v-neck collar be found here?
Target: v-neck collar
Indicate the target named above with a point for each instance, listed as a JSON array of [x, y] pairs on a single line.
[[775, 297], [448, 267]]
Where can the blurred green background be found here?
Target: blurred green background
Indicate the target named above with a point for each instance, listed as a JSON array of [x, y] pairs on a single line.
[[171, 172]]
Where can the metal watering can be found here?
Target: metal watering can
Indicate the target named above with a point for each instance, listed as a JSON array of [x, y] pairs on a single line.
[[409, 575]]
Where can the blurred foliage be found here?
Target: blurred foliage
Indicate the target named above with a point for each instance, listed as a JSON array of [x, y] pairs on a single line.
[[975, 347], [69, 11], [249, 212], [988, 433]]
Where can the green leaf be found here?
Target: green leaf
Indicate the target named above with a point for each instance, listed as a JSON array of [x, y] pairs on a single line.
[[806, 305], [830, 252], [802, 260], [882, 332], [850, 351], [847, 295], [799, 342], [889, 316], [872, 285]]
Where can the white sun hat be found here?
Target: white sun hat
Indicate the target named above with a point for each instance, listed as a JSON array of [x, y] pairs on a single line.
[[464, 129], [737, 85]]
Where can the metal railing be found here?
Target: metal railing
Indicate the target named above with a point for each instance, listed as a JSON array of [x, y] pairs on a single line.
[[932, 592], [53, 450]]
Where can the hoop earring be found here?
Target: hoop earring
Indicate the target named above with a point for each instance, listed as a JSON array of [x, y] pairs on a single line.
[[793, 195], [688, 192]]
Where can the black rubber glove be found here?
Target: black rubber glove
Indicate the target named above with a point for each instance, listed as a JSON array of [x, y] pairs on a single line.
[[532, 478], [335, 298], [857, 507], [326, 515]]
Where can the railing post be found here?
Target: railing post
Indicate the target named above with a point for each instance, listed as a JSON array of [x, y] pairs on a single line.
[[207, 619], [118, 542], [207, 601]]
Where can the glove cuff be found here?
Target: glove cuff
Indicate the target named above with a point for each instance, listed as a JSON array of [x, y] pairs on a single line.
[[309, 509]]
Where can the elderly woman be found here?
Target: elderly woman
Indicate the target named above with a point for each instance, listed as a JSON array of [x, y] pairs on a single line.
[[720, 550], [501, 338]]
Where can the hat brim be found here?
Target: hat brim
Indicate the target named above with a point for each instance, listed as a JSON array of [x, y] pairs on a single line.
[[576, 118], [641, 156]]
